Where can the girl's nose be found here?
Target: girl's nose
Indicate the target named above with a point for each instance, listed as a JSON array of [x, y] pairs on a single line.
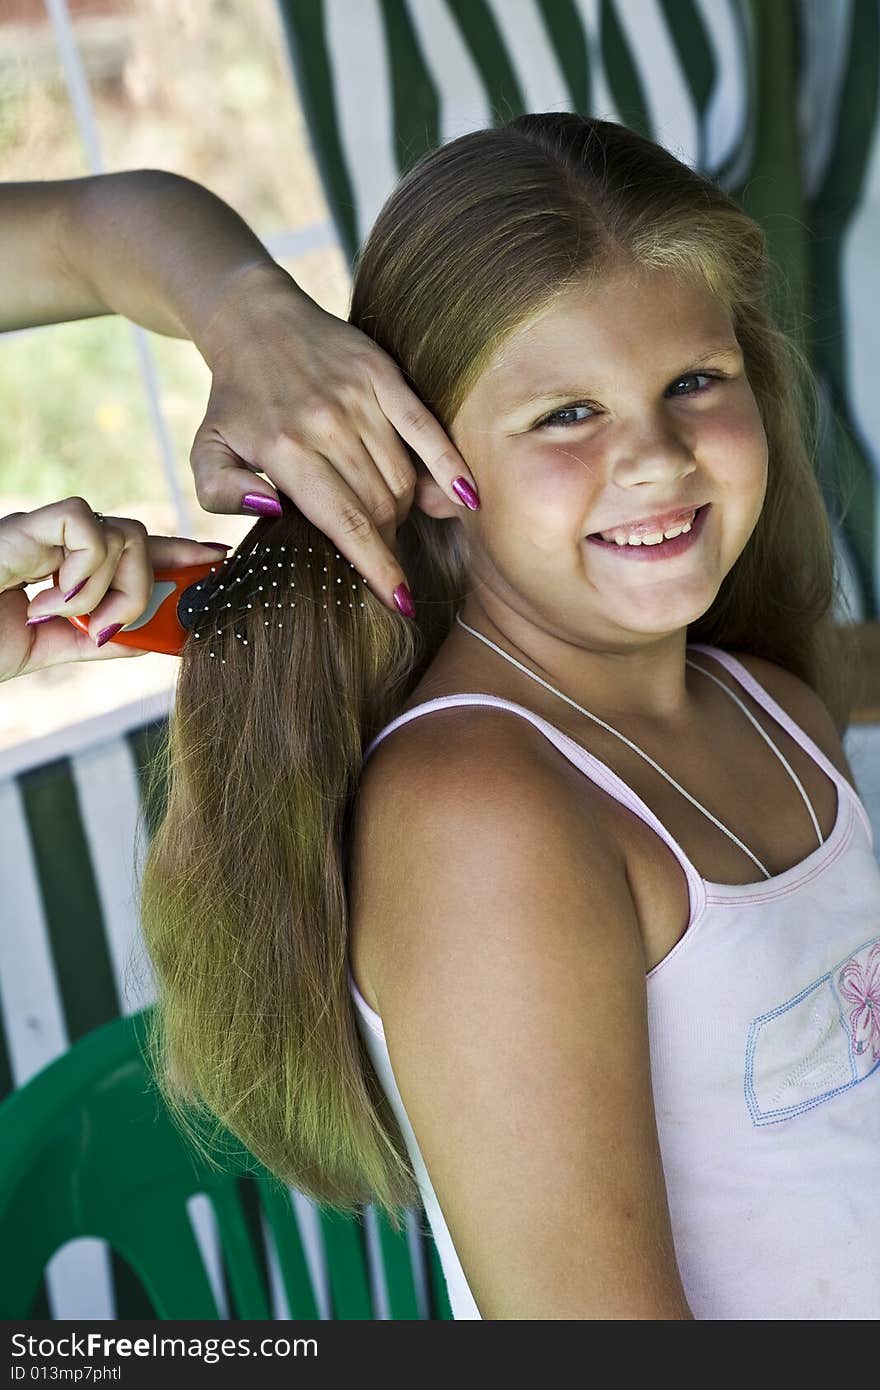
[[655, 455]]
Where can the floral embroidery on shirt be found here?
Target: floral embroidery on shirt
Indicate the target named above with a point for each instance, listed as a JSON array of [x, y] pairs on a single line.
[[818, 1044], [859, 983]]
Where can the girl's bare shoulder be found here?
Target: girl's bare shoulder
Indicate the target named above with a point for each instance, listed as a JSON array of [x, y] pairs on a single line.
[[452, 773]]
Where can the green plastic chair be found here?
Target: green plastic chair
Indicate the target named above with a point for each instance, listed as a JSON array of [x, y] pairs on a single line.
[[88, 1148]]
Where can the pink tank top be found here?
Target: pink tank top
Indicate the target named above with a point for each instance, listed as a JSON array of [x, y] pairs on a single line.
[[764, 1021]]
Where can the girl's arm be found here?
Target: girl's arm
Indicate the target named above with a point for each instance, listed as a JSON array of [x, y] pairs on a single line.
[[500, 939]]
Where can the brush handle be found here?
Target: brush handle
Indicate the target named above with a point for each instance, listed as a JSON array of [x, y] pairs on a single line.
[[159, 628]]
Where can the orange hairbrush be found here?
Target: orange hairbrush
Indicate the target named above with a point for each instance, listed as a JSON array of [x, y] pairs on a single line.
[[168, 618]]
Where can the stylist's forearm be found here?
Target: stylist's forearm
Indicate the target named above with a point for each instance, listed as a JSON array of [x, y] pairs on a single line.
[[151, 245]]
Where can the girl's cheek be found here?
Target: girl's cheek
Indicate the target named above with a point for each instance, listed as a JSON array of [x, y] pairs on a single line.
[[570, 461], [736, 440], [560, 478], [747, 417], [528, 468]]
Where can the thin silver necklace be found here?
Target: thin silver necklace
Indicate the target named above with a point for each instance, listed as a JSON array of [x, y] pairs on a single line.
[[656, 766]]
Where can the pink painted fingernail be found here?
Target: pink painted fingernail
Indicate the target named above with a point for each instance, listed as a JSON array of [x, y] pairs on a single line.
[[404, 600], [74, 592], [217, 545], [46, 618], [462, 488], [265, 506], [107, 632]]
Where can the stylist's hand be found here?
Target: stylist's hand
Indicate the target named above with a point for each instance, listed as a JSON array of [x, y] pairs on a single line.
[[115, 558], [322, 410]]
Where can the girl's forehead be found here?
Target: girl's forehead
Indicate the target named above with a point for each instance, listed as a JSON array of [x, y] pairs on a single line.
[[619, 318]]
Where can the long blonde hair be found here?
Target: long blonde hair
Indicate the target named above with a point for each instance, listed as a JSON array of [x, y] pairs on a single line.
[[244, 890]]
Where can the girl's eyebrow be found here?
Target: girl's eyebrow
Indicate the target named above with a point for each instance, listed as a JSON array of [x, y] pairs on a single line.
[[730, 350]]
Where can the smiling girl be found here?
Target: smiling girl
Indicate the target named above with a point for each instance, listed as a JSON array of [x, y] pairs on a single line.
[[555, 911]]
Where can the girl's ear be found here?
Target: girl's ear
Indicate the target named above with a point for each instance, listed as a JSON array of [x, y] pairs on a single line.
[[430, 497]]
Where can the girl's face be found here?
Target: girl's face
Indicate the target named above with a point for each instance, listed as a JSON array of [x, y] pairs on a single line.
[[617, 403]]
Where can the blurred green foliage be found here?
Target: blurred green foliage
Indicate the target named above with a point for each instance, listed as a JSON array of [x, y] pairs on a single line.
[[74, 414]]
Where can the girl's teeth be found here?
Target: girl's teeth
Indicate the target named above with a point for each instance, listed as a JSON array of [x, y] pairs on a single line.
[[654, 539]]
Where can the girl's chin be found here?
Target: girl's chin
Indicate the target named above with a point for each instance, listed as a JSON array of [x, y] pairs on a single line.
[[652, 610]]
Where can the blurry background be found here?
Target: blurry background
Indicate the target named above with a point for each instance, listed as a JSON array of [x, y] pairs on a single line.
[[203, 88]]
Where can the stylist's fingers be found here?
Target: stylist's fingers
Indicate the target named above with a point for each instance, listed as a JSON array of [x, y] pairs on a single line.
[[382, 474], [35, 544], [118, 593], [224, 475], [301, 396], [347, 498], [103, 568], [117, 590], [109, 576], [402, 408], [85, 571], [396, 465], [52, 642]]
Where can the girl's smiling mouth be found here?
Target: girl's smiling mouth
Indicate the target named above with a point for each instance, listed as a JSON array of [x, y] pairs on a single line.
[[660, 550]]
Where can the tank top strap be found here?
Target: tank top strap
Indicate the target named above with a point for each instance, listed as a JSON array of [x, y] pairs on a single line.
[[767, 739], [754, 688]]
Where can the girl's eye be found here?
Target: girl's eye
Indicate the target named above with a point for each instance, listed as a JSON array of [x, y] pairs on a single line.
[[697, 375], [554, 421]]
